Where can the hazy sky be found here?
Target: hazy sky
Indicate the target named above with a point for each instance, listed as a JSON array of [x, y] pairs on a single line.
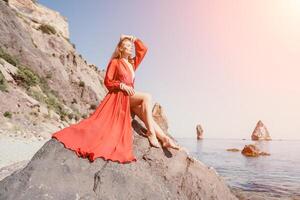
[[222, 64]]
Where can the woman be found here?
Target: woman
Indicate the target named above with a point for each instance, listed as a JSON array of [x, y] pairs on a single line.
[[107, 132]]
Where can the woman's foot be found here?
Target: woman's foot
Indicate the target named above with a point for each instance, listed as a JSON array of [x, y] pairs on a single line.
[[152, 139], [167, 142]]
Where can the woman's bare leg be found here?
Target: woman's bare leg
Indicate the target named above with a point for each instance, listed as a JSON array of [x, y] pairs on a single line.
[[166, 141], [144, 100]]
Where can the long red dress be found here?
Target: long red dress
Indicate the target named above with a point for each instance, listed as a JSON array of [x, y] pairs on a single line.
[[107, 132]]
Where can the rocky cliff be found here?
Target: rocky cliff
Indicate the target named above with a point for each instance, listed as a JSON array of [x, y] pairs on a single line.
[[45, 84]]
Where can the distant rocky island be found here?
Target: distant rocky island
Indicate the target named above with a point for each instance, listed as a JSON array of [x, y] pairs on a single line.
[[199, 131], [260, 132]]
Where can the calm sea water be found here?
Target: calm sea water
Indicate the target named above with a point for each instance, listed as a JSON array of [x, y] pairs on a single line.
[[276, 175]]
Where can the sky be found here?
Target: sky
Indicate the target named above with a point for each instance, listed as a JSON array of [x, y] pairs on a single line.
[[223, 64]]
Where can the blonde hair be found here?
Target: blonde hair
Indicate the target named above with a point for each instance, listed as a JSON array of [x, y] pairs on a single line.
[[118, 54]]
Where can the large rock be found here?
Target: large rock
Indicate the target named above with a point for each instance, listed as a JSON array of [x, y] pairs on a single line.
[[260, 132], [252, 150], [160, 117], [7, 70], [55, 172]]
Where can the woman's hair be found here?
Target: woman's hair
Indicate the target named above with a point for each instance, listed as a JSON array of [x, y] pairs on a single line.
[[118, 54]]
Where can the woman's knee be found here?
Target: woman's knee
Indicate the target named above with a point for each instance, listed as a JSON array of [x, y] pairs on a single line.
[[147, 98], [137, 110]]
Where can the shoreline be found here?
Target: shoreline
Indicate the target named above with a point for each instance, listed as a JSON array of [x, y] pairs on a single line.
[[257, 195], [16, 152]]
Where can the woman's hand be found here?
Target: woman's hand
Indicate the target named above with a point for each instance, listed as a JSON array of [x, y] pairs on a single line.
[[124, 36], [131, 37], [128, 89]]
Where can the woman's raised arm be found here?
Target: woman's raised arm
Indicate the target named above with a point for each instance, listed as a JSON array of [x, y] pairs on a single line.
[[140, 52], [109, 81]]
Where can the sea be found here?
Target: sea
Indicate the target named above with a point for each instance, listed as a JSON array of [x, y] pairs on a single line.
[[276, 176]]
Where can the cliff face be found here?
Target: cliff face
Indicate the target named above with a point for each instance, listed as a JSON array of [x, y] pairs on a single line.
[[44, 83], [57, 173], [38, 14]]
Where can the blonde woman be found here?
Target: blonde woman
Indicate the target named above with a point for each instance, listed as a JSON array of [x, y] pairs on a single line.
[[107, 133]]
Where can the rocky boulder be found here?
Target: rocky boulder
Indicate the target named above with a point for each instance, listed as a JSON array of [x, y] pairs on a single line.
[[252, 150], [160, 117], [55, 172], [7, 70]]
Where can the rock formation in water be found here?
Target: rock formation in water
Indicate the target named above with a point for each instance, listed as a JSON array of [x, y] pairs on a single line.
[[233, 150], [199, 131], [260, 132], [252, 150]]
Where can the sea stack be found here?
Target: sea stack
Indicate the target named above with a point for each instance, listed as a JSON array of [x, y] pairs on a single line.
[[260, 132], [199, 132]]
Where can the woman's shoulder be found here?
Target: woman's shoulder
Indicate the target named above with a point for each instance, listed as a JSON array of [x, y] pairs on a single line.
[[114, 60]]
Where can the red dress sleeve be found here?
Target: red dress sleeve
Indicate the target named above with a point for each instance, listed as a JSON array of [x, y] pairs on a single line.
[[110, 81], [140, 52]]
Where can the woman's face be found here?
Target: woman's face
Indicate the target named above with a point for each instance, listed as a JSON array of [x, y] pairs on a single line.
[[127, 47]]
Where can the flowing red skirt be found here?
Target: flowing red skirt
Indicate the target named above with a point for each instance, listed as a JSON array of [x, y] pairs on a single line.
[[107, 133]]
